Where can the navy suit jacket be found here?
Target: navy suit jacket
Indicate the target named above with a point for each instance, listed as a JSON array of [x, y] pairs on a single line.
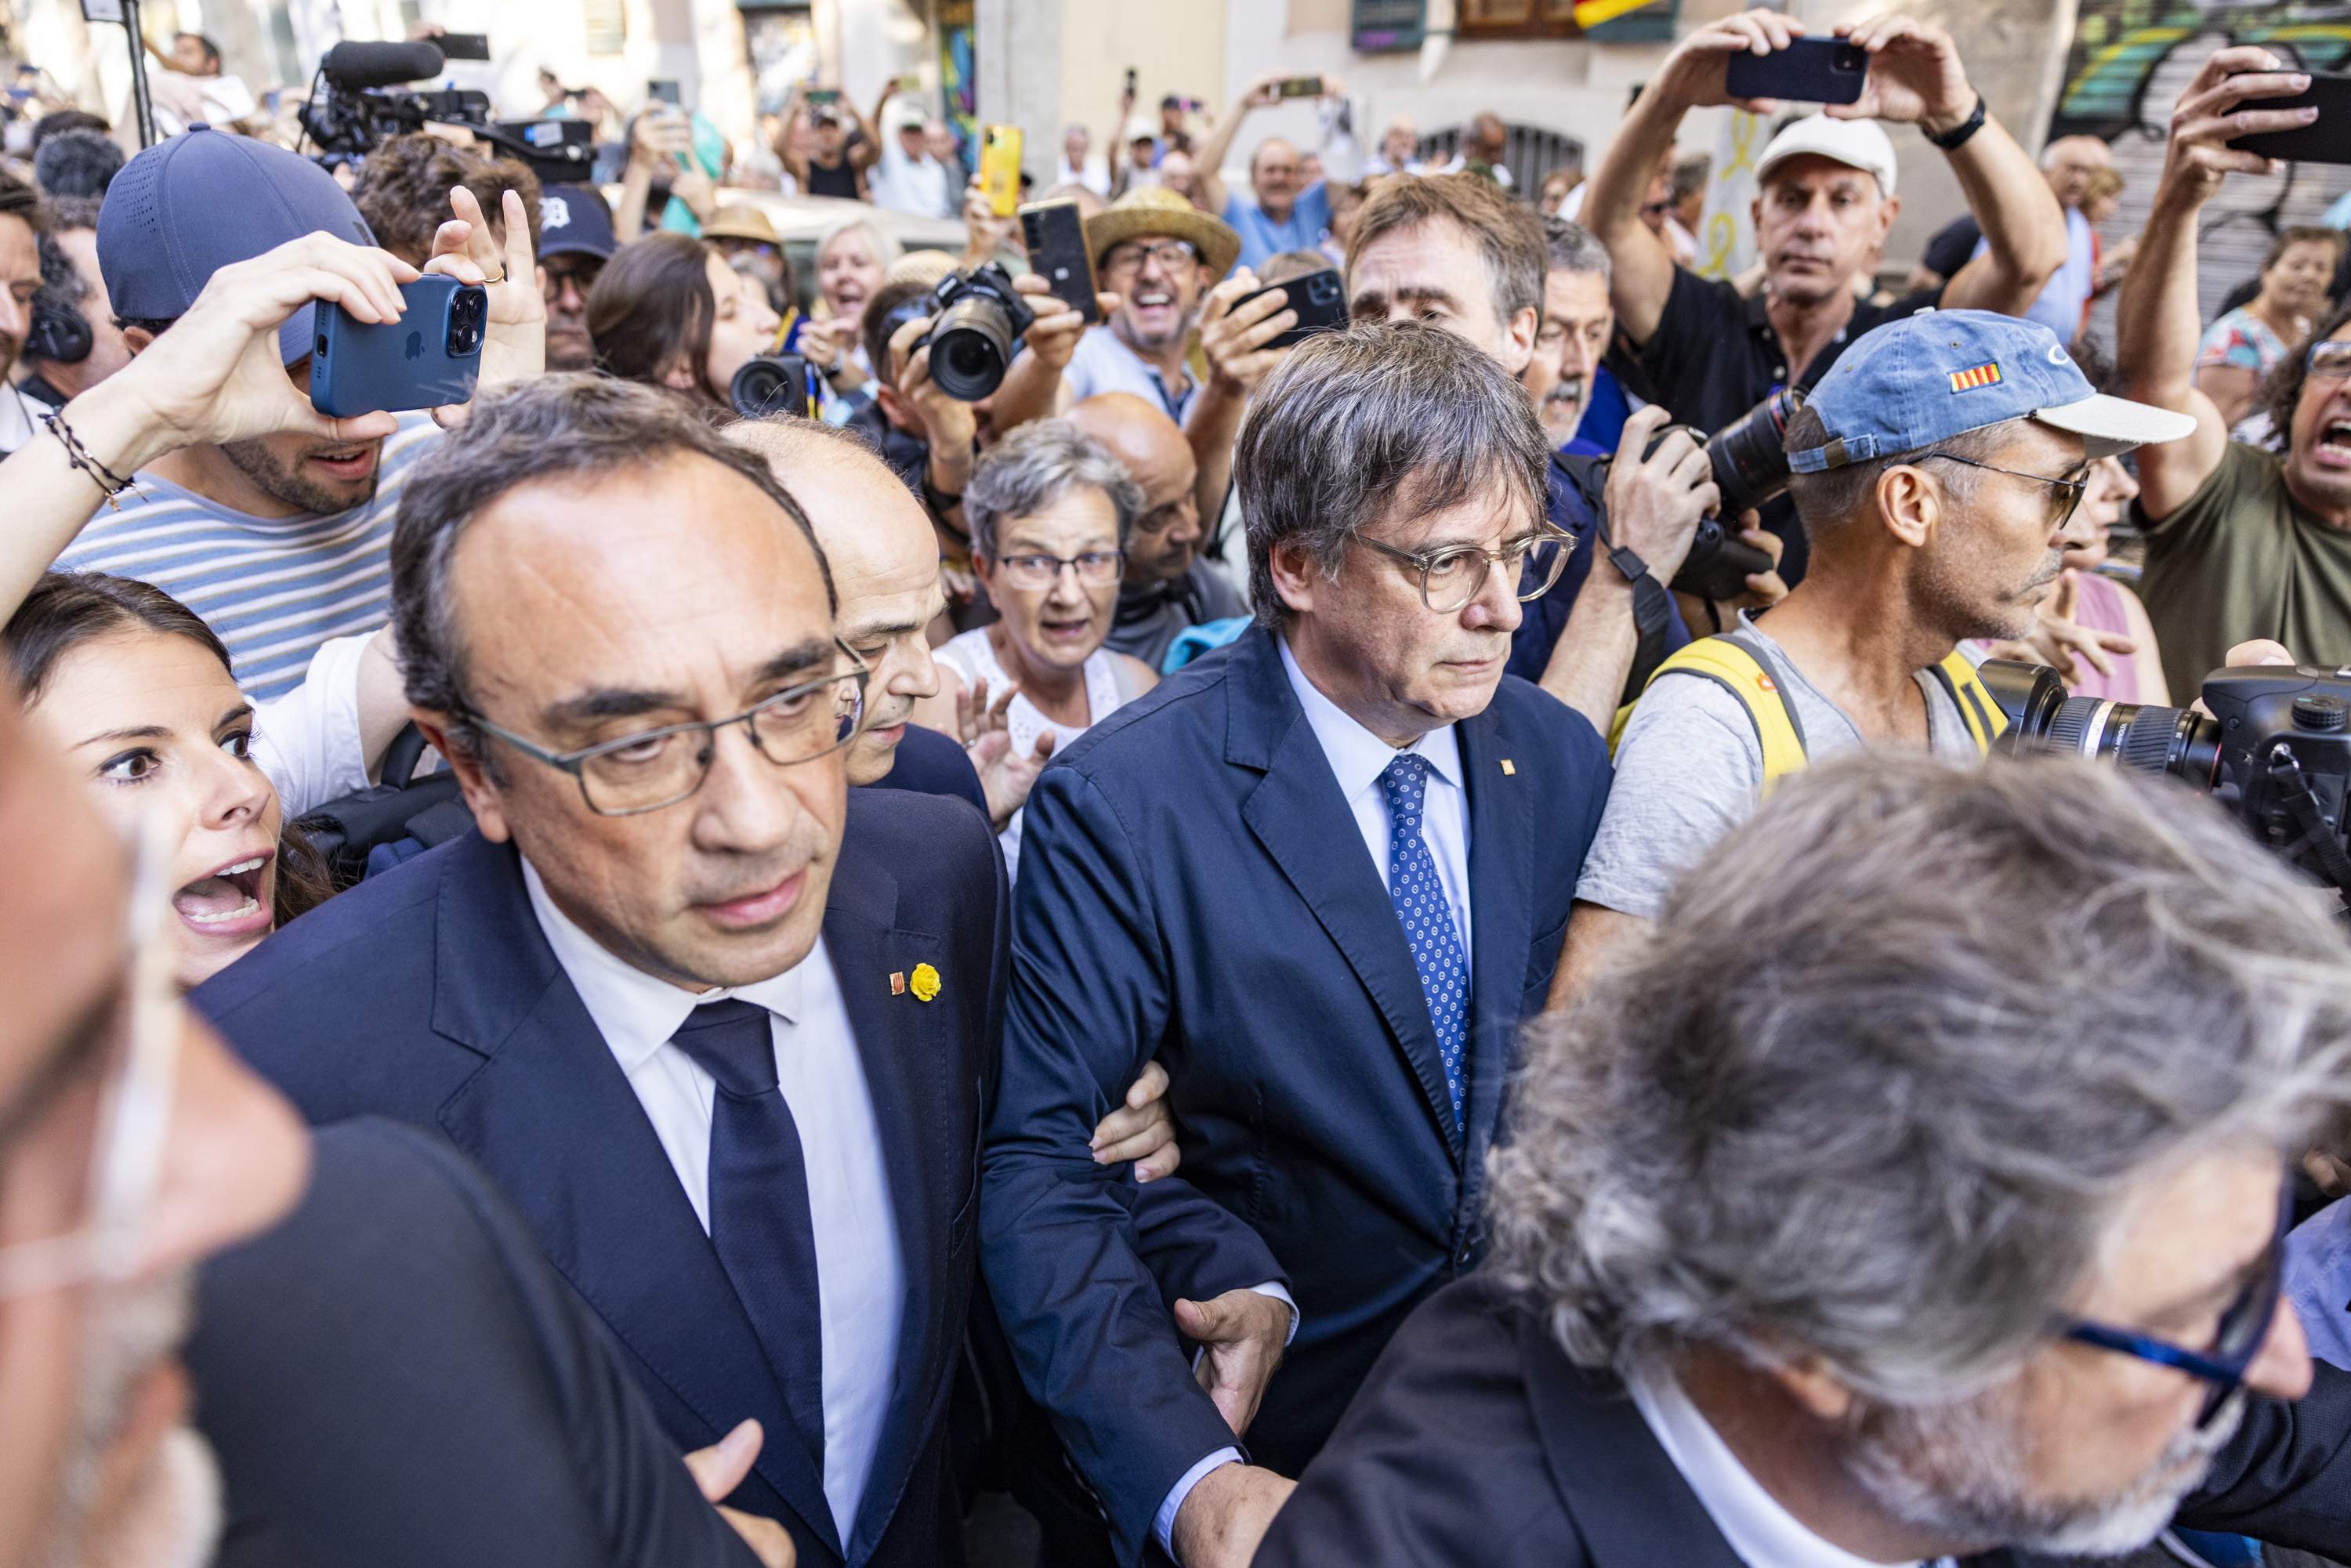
[[933, 764], [429, 995], [1478, 1444], [1199, 892]]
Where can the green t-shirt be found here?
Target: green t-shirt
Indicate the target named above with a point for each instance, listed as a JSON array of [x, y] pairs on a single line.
[[2239, 560]]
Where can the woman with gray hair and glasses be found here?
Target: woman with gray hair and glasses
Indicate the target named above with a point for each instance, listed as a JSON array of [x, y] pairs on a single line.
[[1048, 509]]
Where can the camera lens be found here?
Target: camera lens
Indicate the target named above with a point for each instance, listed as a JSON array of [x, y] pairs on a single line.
[[1751, 453], [768, 385], [2179, 742], [971, 346]]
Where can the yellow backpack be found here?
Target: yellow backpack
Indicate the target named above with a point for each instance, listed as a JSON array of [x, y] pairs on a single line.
[[1742, 667]]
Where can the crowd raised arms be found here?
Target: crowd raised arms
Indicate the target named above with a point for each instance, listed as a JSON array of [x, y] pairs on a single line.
[[1294, 850]]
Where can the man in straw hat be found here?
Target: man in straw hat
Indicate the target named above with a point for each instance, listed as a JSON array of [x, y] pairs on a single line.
[[1156, 252]]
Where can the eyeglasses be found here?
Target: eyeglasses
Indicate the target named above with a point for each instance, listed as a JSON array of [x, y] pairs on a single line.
[[658, 767], [2244, 1325], [2329, 360], [1171, 253], [135, 1119], [2065, 490], [1452, 575], [1095, 567], [1159, 519]]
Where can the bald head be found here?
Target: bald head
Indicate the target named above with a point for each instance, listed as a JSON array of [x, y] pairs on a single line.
[[1275, 176], [1152, 448], [886, 568]]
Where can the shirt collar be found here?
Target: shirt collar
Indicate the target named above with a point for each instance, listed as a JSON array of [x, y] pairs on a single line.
[[1357, 756], [636, 1012], [1760, 1532]]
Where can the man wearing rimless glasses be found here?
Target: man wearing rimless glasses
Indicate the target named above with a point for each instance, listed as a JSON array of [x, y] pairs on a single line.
[[1937, 469]]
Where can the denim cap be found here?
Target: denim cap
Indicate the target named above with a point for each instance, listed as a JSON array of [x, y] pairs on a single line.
[[207, 199], [1919, 381]]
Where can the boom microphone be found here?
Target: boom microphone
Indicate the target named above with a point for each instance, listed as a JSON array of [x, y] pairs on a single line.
[[358, 65]]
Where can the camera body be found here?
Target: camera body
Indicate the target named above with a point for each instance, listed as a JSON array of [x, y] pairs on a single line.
[[351, 114], [774, 383], [977, 317], [2275, 748], [1750, 459]]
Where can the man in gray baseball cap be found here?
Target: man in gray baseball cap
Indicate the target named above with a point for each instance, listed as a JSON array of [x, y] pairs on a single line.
[[1937, 468], [279, 542]]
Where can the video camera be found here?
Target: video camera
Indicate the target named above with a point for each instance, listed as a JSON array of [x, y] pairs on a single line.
[[353, 109], [2275, 748], [1749, 458]]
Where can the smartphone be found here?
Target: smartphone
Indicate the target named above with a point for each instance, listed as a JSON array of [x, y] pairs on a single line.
[[432, 355], [1000, 169], [1809, 70], [2326, 139], [1320, 299], [664, 89], [822, 97], [1300, 87], [1130, 81], [464, 46], [1055, 234]]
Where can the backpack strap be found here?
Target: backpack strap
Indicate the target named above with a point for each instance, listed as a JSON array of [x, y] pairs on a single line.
[[1750, 672], [1985, 720]]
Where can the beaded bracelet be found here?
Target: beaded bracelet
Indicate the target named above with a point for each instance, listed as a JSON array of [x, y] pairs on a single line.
[[78, 454]]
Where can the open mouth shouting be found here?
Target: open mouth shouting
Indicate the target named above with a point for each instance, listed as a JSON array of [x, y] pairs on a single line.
[[231, 901], [2334, 444]]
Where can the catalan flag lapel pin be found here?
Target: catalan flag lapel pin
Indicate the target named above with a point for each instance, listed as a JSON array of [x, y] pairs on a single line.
[[1980, 376]]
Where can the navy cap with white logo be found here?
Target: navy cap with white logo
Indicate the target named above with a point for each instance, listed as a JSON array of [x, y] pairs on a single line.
[[1919, 381], [574, 221]]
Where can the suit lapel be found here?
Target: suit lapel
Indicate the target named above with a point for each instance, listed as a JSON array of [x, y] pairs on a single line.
[[1630, 1504], [908, 1052], [1305, 824], [552, 1118], [1501, 891]]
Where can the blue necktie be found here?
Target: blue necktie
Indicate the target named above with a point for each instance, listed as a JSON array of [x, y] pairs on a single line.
[[760, 1203], [1419, 900]]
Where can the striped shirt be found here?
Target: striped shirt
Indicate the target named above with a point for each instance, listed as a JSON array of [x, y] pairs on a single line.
[[273, 589]]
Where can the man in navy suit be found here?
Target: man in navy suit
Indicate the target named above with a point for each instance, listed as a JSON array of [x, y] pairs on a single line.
[[1322, 874], [724, 1029]]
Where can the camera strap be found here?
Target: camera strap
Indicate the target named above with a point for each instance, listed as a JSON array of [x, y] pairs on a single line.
[[2318, 841]]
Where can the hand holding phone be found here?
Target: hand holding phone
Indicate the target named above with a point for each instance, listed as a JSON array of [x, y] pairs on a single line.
[[1055, 235], [1809, 70], [2325, 140], [432, 355], [1299, 87], [1000, 169], [1320, 299]]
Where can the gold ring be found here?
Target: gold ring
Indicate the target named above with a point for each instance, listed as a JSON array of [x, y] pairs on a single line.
[[501, 278]]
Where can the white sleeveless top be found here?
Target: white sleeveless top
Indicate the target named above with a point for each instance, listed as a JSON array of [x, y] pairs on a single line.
[[972, 657]]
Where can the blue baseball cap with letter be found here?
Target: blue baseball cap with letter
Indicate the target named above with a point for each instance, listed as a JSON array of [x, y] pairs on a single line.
[[1919, 381], [207, 199]]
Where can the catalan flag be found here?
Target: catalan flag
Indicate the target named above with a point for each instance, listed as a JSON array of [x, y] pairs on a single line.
[[1981, 376]]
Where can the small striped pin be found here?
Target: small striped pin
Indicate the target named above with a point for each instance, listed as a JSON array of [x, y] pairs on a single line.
[[1980, 376]]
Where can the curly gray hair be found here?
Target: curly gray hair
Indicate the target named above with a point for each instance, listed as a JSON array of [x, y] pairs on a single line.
[[1888, 1111]]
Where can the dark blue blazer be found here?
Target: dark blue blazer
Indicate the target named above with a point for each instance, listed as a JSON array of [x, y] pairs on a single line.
[[933, 764], [1192, 886], [429, 996]]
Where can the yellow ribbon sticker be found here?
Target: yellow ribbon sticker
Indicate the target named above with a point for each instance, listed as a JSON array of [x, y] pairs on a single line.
[[925, 983]]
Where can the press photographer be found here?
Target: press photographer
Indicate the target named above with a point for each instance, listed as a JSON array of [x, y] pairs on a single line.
[[1936, 468]]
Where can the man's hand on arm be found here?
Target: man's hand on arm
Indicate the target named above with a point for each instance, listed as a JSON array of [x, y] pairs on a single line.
[[717, 1470], [1241, 1334], [1141, 1128], [1220, 1524], [1654, 506], [2158, 320]]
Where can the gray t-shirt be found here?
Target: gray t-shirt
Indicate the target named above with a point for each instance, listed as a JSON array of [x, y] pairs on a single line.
[[1689, 769]]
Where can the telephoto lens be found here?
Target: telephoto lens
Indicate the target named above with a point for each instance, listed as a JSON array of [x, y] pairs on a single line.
[[2042, 718], [1751, 453]]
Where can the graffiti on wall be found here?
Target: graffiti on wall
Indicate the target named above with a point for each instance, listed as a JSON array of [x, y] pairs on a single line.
[[2128, 63]]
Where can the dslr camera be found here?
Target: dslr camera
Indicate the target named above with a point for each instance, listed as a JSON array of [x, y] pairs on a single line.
[[357, 103], [977, 317], [2275, 748], [1749, 458]]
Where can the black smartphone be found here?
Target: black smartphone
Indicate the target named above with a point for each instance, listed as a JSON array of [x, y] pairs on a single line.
[[664, 89], [1809, 70], [2326, 139], [1300, 87], [464, 46], [1130, 81], [1055, 234], [430, 356], [1318, 297]]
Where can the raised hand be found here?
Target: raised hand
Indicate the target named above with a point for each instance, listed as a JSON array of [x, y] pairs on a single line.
[[513, 348], [1915, 75], [1234, 335], [1693, 75], [2215, 109]]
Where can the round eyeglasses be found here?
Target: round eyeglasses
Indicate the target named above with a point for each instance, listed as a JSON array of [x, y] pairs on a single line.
[[1452, 575]]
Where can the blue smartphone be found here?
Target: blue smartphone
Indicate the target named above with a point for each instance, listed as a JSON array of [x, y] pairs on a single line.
[[430, 356], [1809, 70]]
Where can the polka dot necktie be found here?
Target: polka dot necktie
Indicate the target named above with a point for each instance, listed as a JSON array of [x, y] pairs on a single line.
[[1429, 927]]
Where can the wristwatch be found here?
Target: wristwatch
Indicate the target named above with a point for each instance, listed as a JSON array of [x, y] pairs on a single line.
[[1651, 608], [1954, 138]]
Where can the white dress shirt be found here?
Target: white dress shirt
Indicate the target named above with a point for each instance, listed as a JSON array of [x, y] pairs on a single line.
[[861, 1278], [1358, 758], [1760, 1532]]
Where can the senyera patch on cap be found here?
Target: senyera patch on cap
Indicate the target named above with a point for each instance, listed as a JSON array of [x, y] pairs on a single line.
[[1979, 376]]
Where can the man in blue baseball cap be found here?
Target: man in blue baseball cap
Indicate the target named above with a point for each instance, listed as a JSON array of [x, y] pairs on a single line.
[[281, 542], [575, 241], [1937, 469]]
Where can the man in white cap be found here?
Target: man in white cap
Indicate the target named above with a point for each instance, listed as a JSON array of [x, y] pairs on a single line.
[[909, 180], [1826, 203]]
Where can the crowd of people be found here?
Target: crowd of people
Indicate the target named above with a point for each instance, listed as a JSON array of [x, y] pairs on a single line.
[[1239, 934]]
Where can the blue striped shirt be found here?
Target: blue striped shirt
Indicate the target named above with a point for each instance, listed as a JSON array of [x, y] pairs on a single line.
[[275, 589]]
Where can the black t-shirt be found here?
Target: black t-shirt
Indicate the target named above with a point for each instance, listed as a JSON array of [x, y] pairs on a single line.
[[1952, 247], [1715, 356], [837, 179]]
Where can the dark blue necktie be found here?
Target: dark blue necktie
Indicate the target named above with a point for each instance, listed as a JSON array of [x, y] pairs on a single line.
[[760, 1203], [1419, 900]]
